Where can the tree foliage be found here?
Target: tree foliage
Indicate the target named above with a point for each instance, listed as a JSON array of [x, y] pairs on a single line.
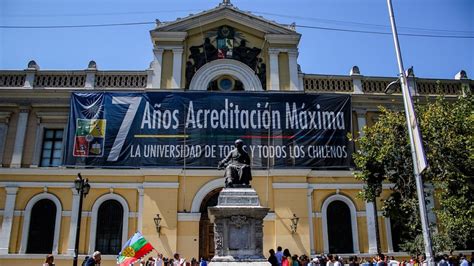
[[384, 155]]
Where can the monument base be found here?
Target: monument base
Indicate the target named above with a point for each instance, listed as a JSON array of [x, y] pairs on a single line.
[[238, 228]]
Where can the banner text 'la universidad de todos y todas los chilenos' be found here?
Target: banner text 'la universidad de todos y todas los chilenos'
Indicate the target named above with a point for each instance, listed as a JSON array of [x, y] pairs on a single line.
[[198, 129]]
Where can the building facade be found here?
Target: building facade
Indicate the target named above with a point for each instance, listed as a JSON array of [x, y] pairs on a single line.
[[222, 49]]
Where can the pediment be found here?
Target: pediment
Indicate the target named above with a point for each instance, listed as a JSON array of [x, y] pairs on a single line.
[[225, 12]]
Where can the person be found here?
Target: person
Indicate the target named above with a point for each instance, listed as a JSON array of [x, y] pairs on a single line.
[[85, 261], [202, 262], [464, 261], [337, 261], [49, 261], [393, 261], [273, 259], [237, 170], [285, 260], [330, 261], [178, 261], [150, 262], [94, 259], [279, 255], [381, 260]]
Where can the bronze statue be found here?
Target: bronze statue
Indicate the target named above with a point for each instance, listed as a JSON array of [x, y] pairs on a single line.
[[237, 167]]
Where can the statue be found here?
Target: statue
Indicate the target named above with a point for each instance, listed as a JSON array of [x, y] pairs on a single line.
[[237, 167]]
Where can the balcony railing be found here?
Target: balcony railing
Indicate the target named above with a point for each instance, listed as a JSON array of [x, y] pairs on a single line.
[[93, 79]]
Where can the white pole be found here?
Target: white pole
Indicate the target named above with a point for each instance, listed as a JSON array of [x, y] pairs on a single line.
[[418, 155]]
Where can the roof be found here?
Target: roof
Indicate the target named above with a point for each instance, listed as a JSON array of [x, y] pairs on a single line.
[[226, 10]]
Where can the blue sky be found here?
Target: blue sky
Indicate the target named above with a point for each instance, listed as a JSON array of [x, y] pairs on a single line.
[[321, 51]]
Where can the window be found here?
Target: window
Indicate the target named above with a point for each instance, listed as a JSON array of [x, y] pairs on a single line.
[[109, 227], [51, 152], [41, 229], [339, 228]]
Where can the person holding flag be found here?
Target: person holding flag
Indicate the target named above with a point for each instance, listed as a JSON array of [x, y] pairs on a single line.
[[133, 250]]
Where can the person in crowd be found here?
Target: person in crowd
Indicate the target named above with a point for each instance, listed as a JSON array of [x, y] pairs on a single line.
[[464, 261], [472, 259], [273, 259], [150, 262], [286, 259], [202, 262], [85, 261], [279, 255], [381, 260], [330, 260], [352, 261], [94, 259], [178, 261], [393, 261], [303, 260], [337, 260], [294, 260], [49, 261]]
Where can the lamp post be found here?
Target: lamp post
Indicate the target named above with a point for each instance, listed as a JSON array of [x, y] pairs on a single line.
[[82, 186], [417, 151], [294, 223]]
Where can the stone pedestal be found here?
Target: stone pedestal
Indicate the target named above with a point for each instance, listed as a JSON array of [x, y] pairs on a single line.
[[238, 228]]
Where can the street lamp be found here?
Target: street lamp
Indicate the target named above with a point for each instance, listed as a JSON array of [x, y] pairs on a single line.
[[157, 221], [294, 223], [82, 186], [416, 144]]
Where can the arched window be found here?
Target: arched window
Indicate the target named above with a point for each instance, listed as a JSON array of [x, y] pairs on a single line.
[[339, 228], [109, 227], [41, 228], [340, 234], [41, 225]]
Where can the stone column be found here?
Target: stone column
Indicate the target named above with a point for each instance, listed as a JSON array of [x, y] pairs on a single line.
[[293, 66], [177, 66], [157, 67], [7, 223], [73, 225], [274, 71], [20, 137], [371, 215], [141, 195], [310, 221]]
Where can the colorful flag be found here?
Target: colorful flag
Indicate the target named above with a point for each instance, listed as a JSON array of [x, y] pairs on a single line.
[[134, 249]]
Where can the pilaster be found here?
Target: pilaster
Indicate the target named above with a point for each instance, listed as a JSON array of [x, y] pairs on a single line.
[[5, 231], [157, 67], [141, 195], [73, 225], [293, 67], [177, 66], [371, 223], [310, 220], [20, 137], [361, 121], [274, 69]]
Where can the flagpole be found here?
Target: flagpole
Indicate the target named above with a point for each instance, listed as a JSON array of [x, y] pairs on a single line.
[[416, 144]]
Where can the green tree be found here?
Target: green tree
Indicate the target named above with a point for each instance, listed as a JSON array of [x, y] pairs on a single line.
[[384, 155]]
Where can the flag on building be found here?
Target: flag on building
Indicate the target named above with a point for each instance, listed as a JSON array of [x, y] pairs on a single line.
[[134, 249]]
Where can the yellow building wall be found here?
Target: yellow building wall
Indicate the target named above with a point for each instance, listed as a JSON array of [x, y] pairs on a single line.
[[188, 239], [164, 202], [288, 202]]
